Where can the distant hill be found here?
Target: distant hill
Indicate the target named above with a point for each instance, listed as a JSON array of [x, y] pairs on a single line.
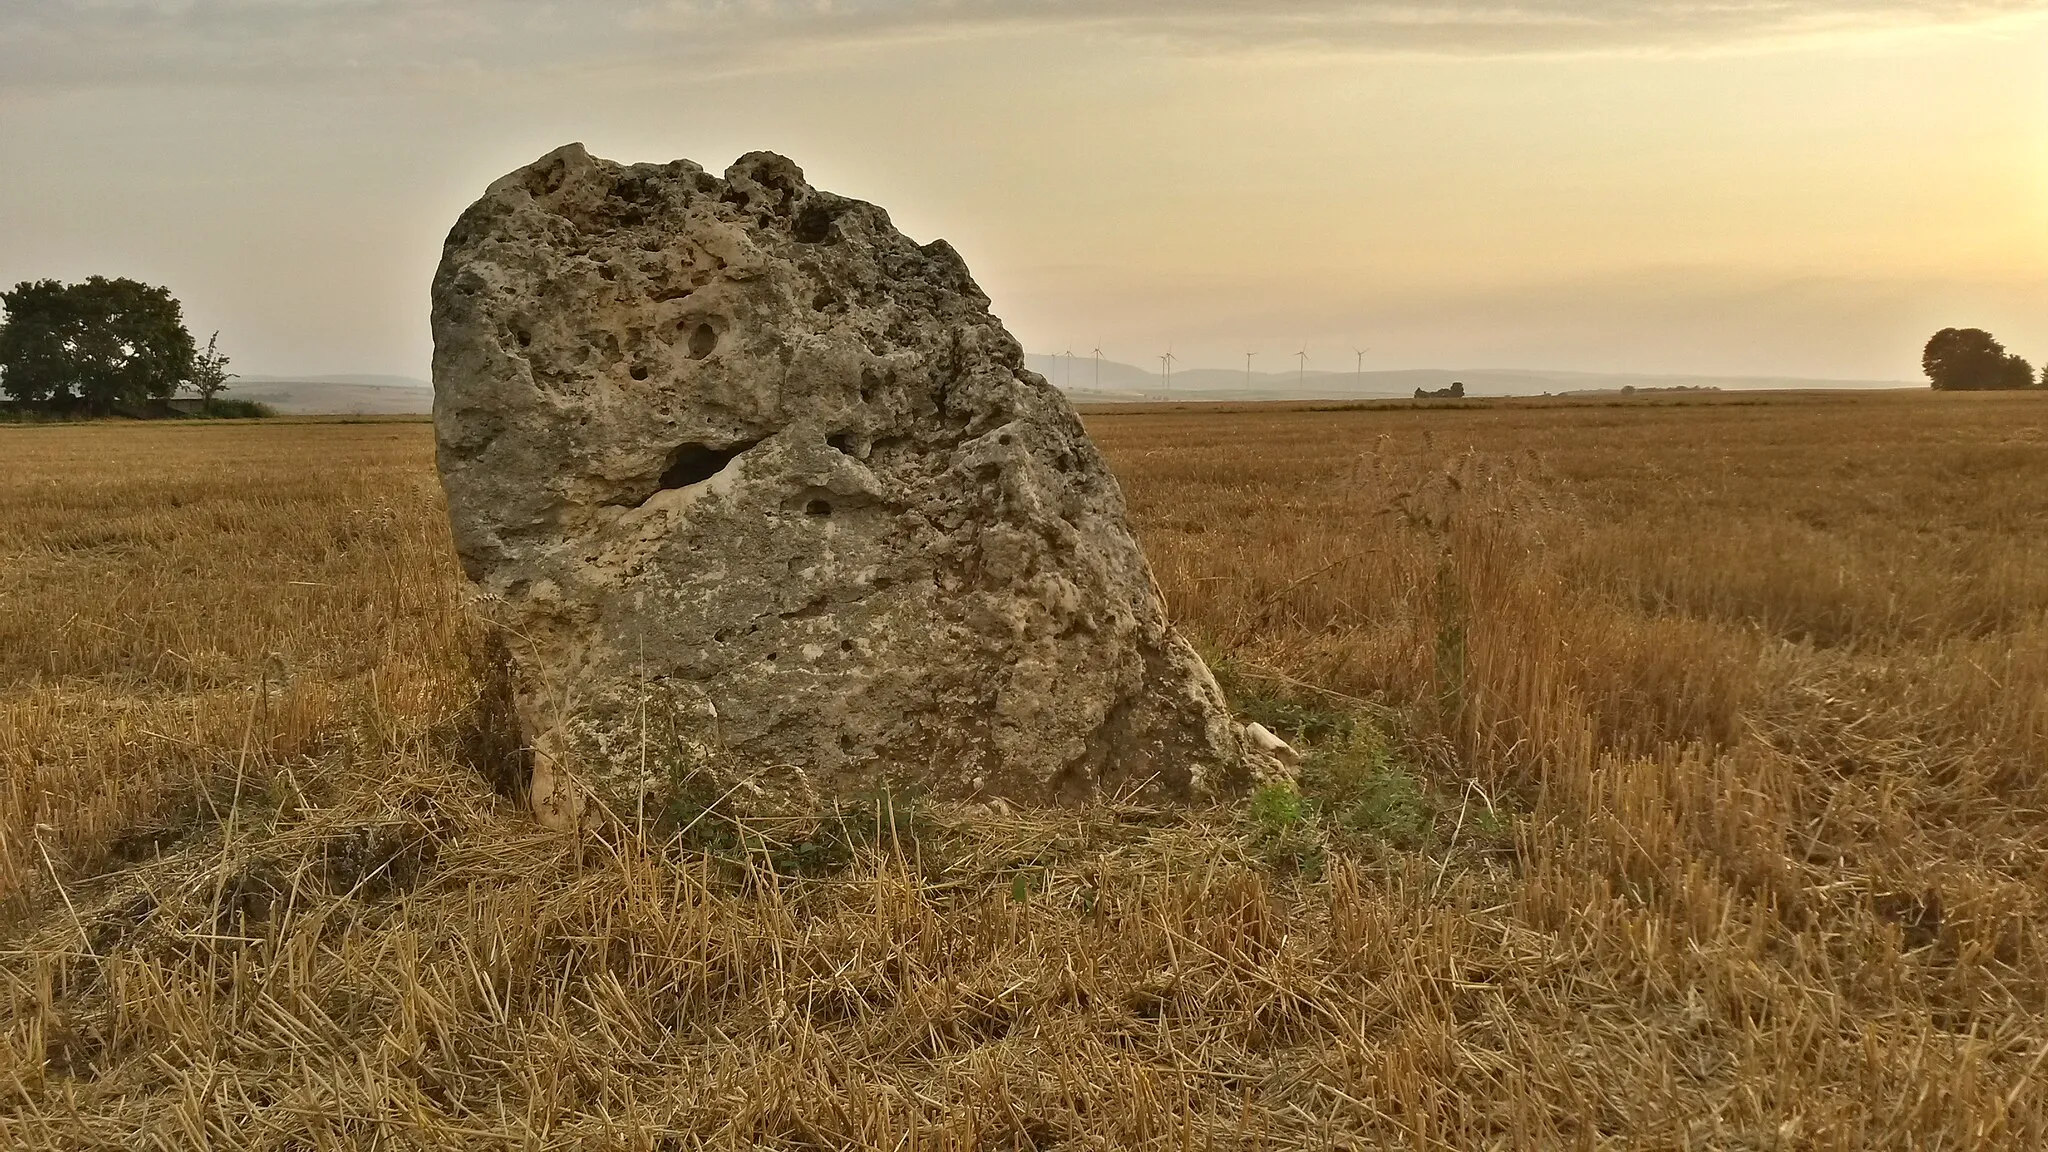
[[1079, 377], [337, 395]]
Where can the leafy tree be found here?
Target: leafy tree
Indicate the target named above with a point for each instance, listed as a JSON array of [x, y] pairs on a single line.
[[35, 342], [1969, 359], [210, 371], [92, 345]]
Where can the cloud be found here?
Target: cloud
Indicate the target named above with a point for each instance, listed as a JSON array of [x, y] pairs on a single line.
[[1462, 26], [100, 41]]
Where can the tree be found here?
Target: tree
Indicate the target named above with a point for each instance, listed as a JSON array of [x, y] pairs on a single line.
[[92, 345], [35, 342], [2018, 373], [210, 372], [1969, 359]]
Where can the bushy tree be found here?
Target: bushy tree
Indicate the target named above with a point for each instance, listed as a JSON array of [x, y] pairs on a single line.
[[35, 342], [92, 345], [1970, 359], [2018, 373]]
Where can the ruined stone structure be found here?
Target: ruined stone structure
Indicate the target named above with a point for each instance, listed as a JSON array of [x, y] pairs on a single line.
[[758, 490]]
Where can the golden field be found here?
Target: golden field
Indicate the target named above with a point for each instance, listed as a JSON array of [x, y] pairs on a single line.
[[1677, 780]]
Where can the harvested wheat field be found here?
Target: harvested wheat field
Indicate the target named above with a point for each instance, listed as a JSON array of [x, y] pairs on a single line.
[[1677, 780]]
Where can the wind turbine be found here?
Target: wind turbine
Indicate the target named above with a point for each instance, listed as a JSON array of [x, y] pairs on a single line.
[[1361, 365], [1163, 383], [1070, 368], [1248, 368], [1169, 358], [1301, 369], [1098, 369]]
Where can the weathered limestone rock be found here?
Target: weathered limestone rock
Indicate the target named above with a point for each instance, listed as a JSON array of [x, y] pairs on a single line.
[[758, 489]]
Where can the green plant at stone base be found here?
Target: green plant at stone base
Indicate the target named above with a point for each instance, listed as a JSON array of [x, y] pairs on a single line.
[[1352, 795], [884, 823], [691, 813], [768, 848], [1299, 718], [1278, 808], [1365, 797], [1285, 831]]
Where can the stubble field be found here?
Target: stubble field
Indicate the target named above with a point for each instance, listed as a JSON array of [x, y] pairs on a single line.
[[1677, 780]]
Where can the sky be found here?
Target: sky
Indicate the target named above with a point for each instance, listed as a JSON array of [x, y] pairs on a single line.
[[1650, 186]]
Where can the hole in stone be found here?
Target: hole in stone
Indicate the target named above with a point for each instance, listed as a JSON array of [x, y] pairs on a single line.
[[525, 338], [824, 301], [813, 224], [696, 463], [843, 441], [818, 508], [771, 657], [605, 271], [639, 372], [721, 636], [846, 645], [703, 338], [1004, 439]]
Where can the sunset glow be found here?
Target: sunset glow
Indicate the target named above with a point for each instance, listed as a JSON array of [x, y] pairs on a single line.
[[1767, 189]]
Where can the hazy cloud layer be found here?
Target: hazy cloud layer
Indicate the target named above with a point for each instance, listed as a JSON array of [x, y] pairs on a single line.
[[112, 40], [1646, 186]]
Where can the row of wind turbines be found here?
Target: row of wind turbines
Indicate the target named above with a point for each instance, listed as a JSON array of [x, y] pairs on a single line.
[[1167, 360]]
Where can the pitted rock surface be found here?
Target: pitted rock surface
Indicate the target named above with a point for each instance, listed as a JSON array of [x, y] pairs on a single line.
[[759, 491]]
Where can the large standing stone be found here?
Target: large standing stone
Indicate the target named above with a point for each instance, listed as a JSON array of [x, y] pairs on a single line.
[[757, 488]]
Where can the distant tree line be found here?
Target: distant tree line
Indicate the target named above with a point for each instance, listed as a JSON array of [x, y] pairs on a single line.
[[1970, 360], [103, 345]]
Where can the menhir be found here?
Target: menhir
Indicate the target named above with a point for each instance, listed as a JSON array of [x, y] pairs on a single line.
[[762, 500]]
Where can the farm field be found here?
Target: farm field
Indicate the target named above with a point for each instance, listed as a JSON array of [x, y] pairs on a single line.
[[1677, 778]]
